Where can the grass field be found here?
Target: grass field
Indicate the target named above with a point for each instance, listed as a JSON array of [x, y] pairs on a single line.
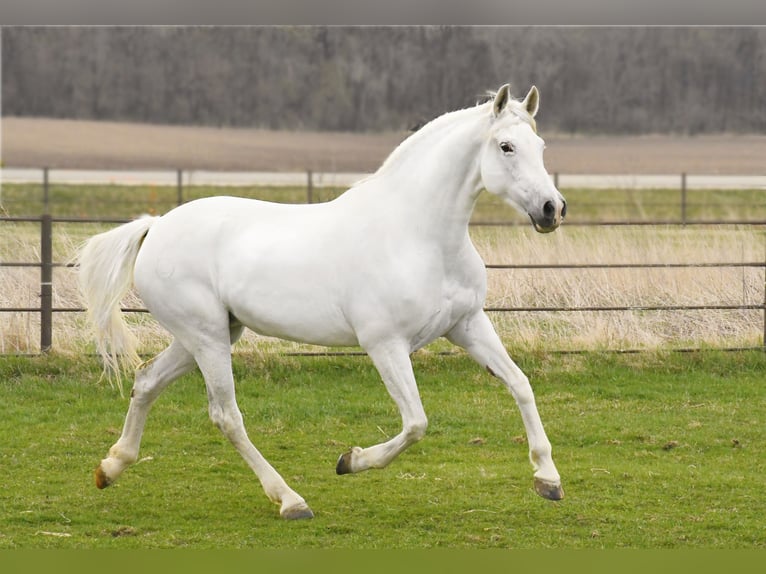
[[655, 450]]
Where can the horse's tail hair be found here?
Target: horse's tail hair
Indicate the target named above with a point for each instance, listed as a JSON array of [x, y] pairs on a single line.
[[106, 264]]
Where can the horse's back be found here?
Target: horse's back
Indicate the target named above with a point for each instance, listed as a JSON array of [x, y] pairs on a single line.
[[230, 210], [206, 224], [275, 267]]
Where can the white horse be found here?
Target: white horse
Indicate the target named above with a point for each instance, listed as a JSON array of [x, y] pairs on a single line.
[[388, 266]]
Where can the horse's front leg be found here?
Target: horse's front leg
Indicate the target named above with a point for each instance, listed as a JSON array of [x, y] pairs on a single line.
[[477, 336], [393, 363]]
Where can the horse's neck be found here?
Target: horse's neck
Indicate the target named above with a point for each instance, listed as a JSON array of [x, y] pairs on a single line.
[[434, 175]]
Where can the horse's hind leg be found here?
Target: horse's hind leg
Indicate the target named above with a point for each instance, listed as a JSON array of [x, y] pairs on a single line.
[[214, 361], [151, 379]]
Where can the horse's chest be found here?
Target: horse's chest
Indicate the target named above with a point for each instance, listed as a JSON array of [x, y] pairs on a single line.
[[440, 313]]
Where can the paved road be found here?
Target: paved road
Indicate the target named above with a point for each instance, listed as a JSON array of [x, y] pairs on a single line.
[[23, 175]]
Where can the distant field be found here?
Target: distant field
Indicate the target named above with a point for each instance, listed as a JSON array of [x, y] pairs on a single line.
[[36, 142]]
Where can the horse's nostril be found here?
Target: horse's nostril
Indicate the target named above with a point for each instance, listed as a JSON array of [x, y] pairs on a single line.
[[564, 210], [549, 210]]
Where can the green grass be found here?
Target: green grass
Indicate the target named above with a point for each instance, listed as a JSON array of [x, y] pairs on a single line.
[[130, 201], [585, 205], [655, 450], [637, 205]]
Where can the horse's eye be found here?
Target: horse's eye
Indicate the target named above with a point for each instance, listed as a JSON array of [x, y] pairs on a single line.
[[505, 147]]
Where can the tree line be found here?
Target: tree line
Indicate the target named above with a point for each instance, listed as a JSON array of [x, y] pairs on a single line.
[[592, 80]]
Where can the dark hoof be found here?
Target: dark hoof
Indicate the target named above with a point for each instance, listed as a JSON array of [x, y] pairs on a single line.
[[548, 490], [298, 512], [102, 481], [344, 463]]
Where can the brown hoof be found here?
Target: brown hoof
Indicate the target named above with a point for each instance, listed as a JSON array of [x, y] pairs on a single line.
[[344, 463], [298, 512], [102, 481], [548, 490]]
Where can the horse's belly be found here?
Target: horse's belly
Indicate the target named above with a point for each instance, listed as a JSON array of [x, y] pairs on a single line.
[[304, 323], [288, 296]]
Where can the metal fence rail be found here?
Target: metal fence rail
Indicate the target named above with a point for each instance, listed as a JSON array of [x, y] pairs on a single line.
[[46, 266], [177, 182]]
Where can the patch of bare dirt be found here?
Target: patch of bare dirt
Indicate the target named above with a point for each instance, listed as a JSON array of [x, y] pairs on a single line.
[[36, 142]]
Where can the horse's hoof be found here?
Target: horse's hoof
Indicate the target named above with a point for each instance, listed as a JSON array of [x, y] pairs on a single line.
[[102, 480], [551, 491], [297, 512], [344, 463]]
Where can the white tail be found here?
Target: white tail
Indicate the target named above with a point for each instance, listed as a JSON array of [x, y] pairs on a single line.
[[106, 274]]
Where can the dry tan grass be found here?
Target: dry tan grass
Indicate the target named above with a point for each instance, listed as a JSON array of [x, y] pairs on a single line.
[[507, 288], [627, 287]]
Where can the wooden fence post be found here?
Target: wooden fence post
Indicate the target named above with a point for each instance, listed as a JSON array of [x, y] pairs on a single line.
[[46, 283], [683, 198], [310, 187]]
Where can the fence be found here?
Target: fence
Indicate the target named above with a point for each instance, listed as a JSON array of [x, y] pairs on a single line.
[[313, 182], [46, 264]]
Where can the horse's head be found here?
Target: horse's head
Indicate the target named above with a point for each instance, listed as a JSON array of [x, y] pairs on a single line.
[[512, 161]]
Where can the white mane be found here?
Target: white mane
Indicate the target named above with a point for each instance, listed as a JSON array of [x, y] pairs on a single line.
[[449, 120]]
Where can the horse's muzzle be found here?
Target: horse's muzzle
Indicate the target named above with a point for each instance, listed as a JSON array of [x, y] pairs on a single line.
[[552, 216]]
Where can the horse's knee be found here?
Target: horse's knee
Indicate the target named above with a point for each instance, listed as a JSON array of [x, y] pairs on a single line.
[[521, 389], [216, 416], [228, 421]]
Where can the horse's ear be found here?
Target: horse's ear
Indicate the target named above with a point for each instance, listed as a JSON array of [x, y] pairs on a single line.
[[501, 99], [532, 101]]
